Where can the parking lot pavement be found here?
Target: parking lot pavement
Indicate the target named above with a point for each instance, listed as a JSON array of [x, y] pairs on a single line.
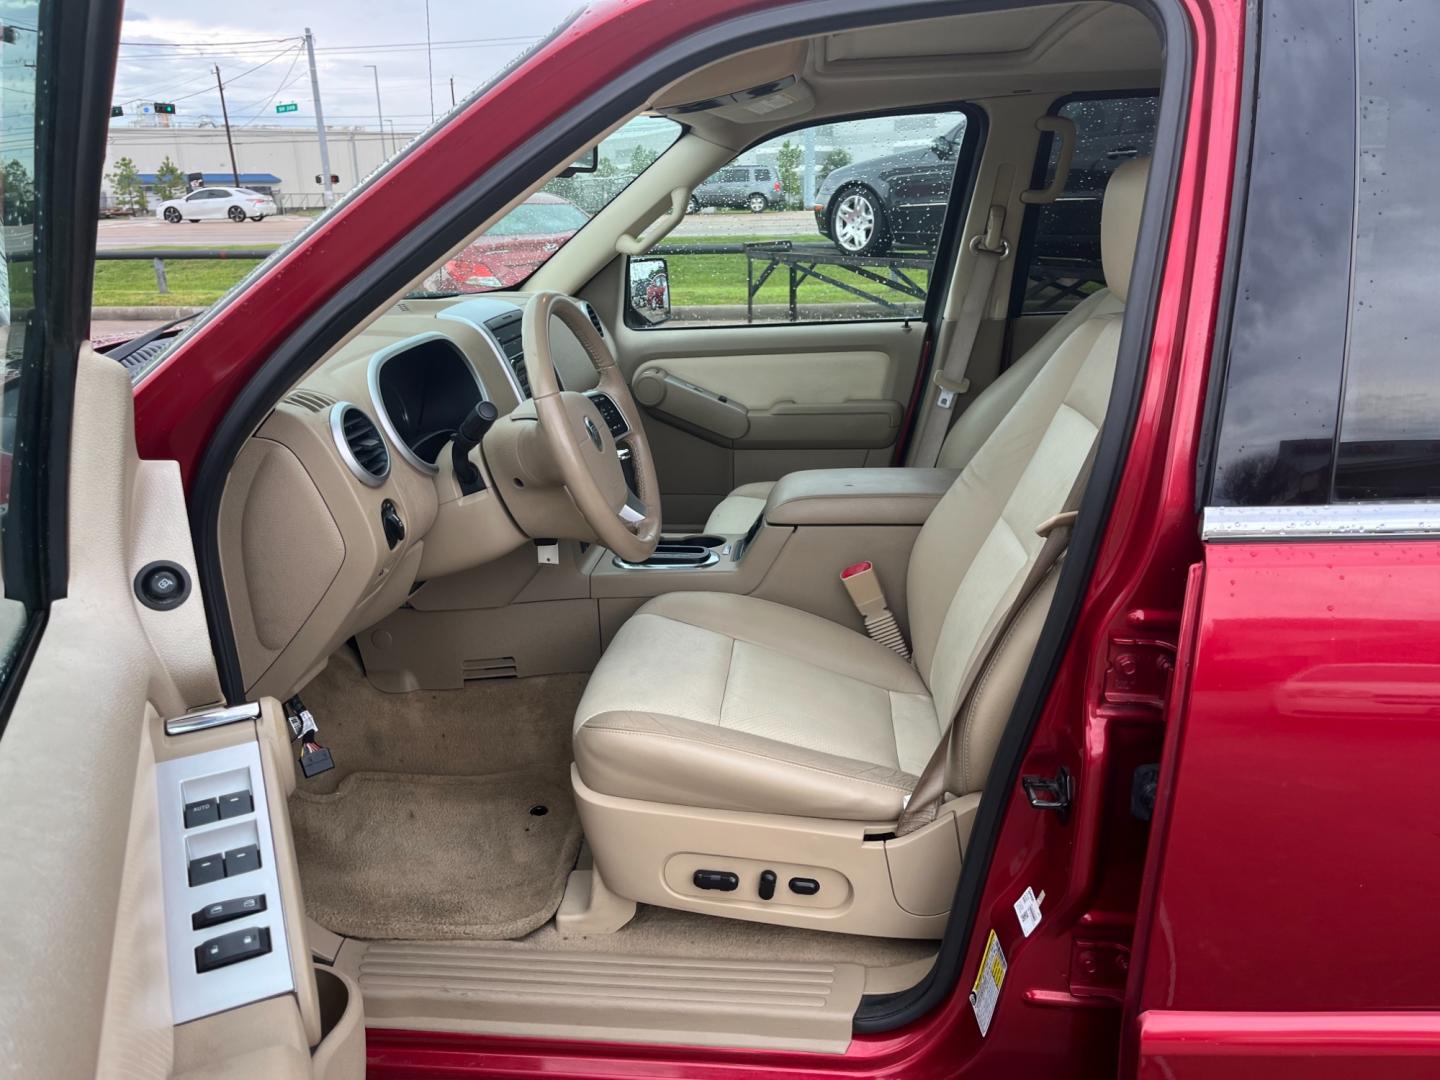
[[151, 232]]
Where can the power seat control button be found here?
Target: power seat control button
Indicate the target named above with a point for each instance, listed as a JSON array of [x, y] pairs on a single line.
[[767, 884], [232, 948], [804, 886], [226, 910], [719, 880]]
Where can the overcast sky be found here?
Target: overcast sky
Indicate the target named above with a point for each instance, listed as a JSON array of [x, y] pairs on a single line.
[[170, 47]]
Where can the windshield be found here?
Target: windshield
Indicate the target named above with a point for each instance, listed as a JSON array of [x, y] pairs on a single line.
[[522, 241]]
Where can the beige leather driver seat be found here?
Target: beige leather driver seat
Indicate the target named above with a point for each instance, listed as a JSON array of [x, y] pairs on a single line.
[[743, 758]]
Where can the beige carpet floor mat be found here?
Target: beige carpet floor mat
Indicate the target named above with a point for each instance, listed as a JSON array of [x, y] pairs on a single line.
[[422, 857]]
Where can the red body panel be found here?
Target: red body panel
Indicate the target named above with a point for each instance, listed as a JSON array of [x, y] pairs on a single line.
[[1060, 1009], [1302, 793]]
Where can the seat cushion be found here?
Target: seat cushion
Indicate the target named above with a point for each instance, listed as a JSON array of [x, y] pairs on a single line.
[[731, 703], [738, 510]]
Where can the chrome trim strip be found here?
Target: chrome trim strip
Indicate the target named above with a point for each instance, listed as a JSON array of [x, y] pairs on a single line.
[[1336, 522], [337, 432], [372, 378], [623, 564], [212, 718]]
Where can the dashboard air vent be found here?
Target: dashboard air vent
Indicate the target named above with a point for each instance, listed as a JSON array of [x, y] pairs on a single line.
[[310, 400], [595, 319], [506, 329], [360, 443]]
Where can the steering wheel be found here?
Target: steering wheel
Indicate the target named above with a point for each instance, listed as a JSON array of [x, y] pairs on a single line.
[[582, 431]]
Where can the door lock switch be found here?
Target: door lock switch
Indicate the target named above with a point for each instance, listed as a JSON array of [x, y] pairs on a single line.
[[232, 948], [226, 910]]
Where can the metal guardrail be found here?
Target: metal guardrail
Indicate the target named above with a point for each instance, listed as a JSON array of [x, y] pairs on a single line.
[[159, 256]]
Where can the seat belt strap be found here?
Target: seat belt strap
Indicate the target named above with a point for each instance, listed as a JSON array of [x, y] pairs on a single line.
[[863, 585], [989, 248], [925, 800]]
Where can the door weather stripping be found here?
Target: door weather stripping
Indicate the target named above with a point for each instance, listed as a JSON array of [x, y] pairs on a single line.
[[218, 716], [1336, 522]]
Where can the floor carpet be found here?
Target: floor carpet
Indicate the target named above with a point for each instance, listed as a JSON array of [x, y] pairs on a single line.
[[405, 857]]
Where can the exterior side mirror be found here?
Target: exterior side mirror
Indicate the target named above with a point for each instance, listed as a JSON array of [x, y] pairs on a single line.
[[650, 290]]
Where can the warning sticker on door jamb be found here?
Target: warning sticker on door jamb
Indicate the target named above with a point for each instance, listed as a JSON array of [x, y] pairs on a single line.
[[985, 994]]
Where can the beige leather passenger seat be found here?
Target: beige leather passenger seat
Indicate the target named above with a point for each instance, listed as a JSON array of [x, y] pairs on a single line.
[[740, 509], [726, 735]]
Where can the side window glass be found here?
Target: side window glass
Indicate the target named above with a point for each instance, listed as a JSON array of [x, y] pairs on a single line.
[[1062, 256], [837, 222], [22, 373], [1389, 440]]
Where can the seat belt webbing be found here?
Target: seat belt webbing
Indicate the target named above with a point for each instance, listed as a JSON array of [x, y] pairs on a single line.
[[929, 793], [989, 249]]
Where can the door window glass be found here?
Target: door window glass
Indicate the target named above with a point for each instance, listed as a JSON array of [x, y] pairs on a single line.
[[839, 222], [18, 518], [1061, 257], [1389, 445]]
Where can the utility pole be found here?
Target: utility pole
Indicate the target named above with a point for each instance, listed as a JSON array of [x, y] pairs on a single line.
[[452, 91], [429, 63], [379, 112], [319, 122], [234, 168]]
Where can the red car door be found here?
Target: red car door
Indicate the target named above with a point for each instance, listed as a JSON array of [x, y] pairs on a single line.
[[1286, 925]]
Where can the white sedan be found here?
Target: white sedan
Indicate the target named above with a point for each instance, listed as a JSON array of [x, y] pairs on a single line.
[[235, 203]]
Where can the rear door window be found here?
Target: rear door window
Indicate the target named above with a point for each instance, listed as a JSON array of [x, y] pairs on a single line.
[[1060, 254]]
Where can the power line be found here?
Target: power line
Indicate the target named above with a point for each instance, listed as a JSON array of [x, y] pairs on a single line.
[[203, 44]]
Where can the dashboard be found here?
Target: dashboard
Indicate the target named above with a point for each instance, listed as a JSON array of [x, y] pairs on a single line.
[[340, 504]]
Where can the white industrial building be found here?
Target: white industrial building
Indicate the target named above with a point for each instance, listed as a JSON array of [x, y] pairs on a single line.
[[285, 161]]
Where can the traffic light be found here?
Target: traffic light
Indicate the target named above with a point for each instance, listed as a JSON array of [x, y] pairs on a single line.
[[334, 179], [166, 108], [117, 110]]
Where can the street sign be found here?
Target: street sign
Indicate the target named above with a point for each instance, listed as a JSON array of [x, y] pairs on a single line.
[[287, 106], [166, 108]]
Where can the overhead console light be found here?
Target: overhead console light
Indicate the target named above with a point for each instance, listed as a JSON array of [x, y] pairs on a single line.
[[747, 98]]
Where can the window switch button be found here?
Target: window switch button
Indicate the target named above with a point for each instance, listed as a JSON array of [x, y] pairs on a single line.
[[236, 804], [226, 910], [242, 860], [202, 812], [205, 869], [232, 948]]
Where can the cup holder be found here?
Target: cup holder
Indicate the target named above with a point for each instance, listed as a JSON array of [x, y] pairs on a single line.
[[676, 555]]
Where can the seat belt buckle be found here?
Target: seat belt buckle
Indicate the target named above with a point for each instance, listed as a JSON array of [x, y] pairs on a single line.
[[949, 388], [863, 585]]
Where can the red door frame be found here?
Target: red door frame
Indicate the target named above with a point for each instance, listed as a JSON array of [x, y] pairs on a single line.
[[1050, 1013]]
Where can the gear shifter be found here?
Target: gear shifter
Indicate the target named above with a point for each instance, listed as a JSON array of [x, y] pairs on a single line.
[[472, 429]]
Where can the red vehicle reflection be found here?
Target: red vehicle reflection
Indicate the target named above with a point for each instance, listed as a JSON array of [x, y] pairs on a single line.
[[513, 248]]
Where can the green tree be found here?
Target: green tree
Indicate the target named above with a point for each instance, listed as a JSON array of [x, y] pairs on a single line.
[[169, 180], [605, 167], [125, 182], [19, 194], [789, 158], [834, 159], [641, 158]]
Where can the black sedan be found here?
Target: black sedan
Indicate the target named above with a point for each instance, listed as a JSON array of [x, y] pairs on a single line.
[[894, 201]]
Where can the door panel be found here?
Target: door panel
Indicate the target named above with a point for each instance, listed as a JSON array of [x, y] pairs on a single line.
[[828, 395]]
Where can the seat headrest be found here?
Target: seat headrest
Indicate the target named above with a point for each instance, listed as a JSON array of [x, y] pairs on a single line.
[[1120, 223]]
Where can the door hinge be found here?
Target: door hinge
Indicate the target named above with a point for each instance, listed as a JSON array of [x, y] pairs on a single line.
[[1051, 792], [1098, 969]]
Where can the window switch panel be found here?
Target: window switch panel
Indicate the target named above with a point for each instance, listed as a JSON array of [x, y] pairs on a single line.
[[236, 804], [226, 910], [202, 812], [205, 869], [242, 860], [232, 948]]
